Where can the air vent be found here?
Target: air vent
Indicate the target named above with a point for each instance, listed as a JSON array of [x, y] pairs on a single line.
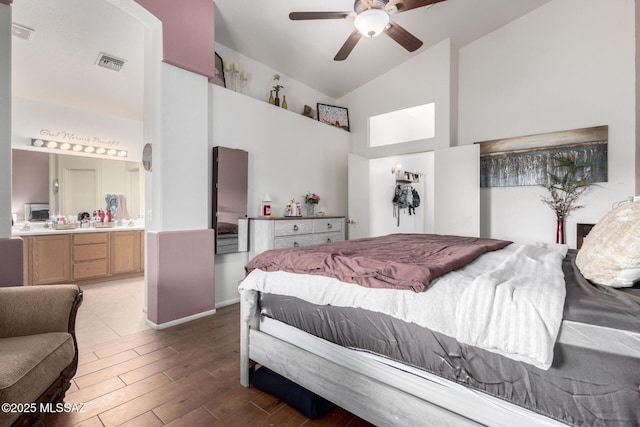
[[110, 62], [21, 31]]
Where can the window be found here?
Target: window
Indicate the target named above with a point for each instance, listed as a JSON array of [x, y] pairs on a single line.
[[409, 124]]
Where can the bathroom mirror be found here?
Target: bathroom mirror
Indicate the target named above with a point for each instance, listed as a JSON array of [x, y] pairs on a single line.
[[229, 199], [72, 184]]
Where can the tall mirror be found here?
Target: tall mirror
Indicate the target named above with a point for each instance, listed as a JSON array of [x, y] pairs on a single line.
[[230, 180]]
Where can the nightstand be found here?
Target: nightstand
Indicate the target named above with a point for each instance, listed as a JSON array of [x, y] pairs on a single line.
[[582, 230]]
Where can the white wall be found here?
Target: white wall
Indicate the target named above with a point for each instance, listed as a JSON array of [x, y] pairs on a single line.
[[568, 64], [34, 119], [261, 82], [423, 79], [428, 77], [180, 188], [289, 155]]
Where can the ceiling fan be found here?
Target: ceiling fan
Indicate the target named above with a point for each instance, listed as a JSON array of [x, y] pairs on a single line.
[[371, 19]]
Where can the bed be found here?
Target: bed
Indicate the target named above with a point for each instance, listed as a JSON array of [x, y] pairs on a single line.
[[579, 366], [226, 238]]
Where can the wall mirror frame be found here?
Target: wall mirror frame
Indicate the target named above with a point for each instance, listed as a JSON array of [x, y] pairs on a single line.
[[229, 199]]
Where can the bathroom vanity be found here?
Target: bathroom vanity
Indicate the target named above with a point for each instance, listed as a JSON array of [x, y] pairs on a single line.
[[82, 255]]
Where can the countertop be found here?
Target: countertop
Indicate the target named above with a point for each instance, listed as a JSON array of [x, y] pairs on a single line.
[[39, 230], [288, 218]]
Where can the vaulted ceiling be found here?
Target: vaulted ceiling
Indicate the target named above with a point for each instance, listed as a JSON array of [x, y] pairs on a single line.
[[58, 64], [305, 50]]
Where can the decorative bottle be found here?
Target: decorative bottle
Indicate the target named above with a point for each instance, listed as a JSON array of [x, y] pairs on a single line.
[[284, 101], [271, 101]]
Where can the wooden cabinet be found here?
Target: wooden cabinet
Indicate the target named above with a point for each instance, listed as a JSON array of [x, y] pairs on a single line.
[[126, 252], [281, 233], [90, 255], [49, 259], [82, 257]]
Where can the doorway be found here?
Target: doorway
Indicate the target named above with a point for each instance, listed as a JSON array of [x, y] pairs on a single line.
[[58, 81]]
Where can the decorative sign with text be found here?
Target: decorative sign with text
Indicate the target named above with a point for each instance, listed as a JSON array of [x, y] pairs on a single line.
[[63, 136]]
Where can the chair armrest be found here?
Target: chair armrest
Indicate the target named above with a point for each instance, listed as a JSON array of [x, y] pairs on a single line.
[[30, 310]]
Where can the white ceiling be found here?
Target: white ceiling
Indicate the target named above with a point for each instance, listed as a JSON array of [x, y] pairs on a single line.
[[304, 50], [58, 64]]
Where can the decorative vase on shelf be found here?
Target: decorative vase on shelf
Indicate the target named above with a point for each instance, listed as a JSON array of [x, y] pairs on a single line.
[[311, 207], [284, 101], [560, 232], [277, 101], [271, 101]]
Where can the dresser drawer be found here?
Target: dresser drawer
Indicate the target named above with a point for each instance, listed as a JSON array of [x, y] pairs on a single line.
[[292, 227], [89, 238], [86, 270], [293, 241], [327, 225], [90, 252], [321, 238]]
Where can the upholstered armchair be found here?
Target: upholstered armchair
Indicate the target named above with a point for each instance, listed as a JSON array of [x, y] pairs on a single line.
[[38, 348]]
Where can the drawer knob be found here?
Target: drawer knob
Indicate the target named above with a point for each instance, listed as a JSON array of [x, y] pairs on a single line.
[[328, 240], [329, 225], [295, 228], [295, 244]]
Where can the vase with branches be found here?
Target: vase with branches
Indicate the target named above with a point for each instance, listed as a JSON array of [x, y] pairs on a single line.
[[276, 88], [565, 188]]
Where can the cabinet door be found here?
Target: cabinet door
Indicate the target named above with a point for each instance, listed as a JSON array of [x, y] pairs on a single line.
[[126, 252], [457, 191], [50, 259]]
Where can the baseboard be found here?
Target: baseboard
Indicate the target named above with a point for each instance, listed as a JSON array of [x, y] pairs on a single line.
[[228, 302], [179, 321]]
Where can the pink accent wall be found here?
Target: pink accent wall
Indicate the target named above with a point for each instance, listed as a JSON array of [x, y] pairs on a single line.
[[29, 179], [188, 33], [180, 274], [11, 262]]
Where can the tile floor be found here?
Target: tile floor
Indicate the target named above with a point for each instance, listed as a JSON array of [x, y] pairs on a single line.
[[110, 310]]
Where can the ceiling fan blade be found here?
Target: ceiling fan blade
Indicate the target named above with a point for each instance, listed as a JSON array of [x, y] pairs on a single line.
[[301, 16], [403, 37], [404, 5], [348, 46]]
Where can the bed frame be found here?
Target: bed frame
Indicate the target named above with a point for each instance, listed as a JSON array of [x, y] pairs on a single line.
[[384, 395]]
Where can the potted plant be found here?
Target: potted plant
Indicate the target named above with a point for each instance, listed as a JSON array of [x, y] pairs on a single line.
[[564, 189]]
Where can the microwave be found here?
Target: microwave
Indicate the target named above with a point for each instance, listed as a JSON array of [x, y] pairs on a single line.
[[36, 212]]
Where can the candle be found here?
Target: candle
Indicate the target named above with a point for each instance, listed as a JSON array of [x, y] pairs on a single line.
[[226, 66], [245, 76], [236, 67]]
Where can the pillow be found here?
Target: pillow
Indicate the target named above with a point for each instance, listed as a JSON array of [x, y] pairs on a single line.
[[610, 254]]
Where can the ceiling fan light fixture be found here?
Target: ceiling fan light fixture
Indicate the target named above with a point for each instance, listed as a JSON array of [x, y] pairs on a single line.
[[371, 22]]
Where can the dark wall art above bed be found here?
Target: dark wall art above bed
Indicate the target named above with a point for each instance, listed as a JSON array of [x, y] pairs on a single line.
[[528, 160]]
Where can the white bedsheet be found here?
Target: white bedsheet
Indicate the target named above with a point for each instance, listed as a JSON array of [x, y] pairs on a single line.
[[506, 300]]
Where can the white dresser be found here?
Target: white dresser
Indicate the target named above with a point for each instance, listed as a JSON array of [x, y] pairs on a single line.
[[290, 232]]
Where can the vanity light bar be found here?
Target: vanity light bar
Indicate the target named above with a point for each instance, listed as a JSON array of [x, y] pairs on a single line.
[[66, 146]]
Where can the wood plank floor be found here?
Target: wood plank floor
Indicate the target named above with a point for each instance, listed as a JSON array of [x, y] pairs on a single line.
[[187, 375]]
